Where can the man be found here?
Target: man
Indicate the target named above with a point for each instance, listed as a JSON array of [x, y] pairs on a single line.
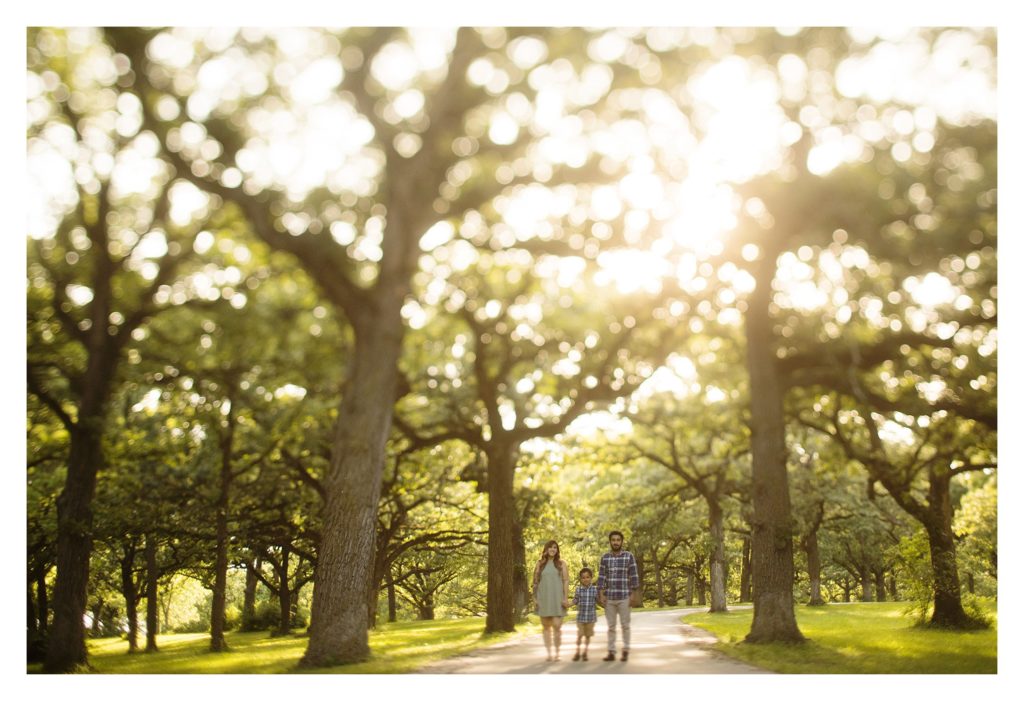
[[616, 577]]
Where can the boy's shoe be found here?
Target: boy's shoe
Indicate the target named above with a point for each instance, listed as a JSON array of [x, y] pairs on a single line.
[[625, 656], [610, 656], [576, 656], [584, 657]]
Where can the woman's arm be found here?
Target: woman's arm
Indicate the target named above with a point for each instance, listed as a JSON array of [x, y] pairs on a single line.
[[536, 573]]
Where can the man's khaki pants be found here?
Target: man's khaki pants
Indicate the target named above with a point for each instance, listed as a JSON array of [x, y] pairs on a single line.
[[617, 610]]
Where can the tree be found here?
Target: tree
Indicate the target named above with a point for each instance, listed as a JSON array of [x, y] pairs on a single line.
[[931, 456], [803, 210], [371, 303], [519, 368], [417, 138], [493, 241], [47, 444], [139, 496], [426, 510], [914, 405], [826, 496], [107, 263], [277, 517], [108, 618], [241, 422], [708, 459]]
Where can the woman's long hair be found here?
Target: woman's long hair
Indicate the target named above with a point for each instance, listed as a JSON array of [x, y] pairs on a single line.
[[544, 560]]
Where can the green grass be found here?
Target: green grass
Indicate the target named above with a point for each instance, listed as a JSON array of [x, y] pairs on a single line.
[[395, 648], [857, 638]]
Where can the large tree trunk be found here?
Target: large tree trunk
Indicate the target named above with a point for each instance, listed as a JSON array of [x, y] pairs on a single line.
[[152, 606], [501, 462], [689, 587], [772, 535], [813, 568], [718, 564], [339, 629], [249, 597], [949, 611], [66, 639], [937, 519]]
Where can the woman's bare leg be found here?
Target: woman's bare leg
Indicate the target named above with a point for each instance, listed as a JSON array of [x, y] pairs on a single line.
[[547, 622]]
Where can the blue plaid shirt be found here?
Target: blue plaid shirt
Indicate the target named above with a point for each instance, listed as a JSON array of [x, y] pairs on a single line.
[[586, 599], [617, 574]]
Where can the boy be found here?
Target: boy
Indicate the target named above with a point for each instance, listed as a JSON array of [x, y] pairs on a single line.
[[585, 599]]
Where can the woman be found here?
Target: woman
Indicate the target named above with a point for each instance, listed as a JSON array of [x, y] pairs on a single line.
[[551, 595]]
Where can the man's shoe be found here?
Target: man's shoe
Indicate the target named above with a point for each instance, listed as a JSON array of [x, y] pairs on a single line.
[[625, 655], [584, 657], [576, 657], [609, 657]]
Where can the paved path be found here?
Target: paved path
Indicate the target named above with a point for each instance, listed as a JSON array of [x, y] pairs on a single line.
[[659, 644]]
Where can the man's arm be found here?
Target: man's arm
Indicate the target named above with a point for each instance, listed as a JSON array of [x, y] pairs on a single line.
[[634, 578], [602, 575]]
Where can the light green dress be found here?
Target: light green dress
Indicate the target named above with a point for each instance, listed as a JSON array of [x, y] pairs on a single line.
[[549, 592]]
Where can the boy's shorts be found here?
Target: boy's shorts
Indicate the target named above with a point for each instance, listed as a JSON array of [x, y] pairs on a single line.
[[585, 630]]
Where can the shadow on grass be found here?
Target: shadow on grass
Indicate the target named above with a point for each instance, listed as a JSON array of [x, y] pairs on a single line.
[[395, 648]]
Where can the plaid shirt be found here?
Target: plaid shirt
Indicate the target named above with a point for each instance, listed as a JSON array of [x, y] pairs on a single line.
[[617, 574], [586, 598]]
